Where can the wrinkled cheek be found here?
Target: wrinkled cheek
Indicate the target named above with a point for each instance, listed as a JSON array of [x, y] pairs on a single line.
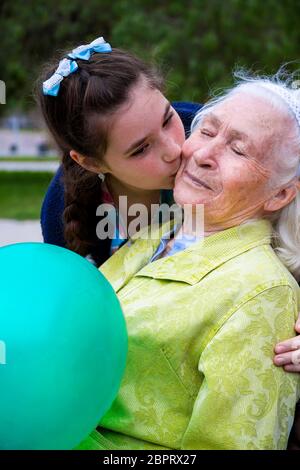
[[251, 177], [256, 185], [258, 172], [246, 196], [240, 195], [247, 188]]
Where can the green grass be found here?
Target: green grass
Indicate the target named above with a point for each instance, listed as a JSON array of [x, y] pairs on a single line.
[[29, 159], [22, 194]]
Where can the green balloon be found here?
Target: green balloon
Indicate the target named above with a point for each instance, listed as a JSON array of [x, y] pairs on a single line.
[[63, 346]]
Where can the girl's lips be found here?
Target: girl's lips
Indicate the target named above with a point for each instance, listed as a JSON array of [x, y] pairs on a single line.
[[196, 180]]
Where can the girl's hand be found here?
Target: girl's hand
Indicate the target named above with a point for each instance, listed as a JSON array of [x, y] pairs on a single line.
[[287, 353]]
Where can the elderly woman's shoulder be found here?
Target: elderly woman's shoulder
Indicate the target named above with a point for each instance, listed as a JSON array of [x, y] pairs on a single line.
[[258, 288], [264, 270]]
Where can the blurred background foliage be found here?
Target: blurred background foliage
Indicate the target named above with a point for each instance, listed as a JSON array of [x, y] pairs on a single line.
[[196, 42]]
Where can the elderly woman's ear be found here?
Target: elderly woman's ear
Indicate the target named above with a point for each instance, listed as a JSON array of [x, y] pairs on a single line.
[[282, 198]]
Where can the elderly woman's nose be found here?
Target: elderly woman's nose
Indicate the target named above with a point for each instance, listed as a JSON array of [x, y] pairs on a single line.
[[207, 155], [205, 159]]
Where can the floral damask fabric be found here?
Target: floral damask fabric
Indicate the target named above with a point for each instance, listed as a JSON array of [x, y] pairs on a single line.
[[202, 327]]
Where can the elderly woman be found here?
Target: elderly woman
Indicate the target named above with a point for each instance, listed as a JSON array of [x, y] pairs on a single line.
[[203, 315]]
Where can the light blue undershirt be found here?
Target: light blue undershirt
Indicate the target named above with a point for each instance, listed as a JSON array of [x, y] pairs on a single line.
[[180, 244]]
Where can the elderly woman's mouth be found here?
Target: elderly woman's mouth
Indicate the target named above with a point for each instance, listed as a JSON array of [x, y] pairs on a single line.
[[195, 180]]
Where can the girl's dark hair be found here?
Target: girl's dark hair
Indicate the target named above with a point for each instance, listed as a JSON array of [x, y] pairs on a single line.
[[78, 120]]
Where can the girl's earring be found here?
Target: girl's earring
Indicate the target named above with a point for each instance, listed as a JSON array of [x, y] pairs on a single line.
[[102, 177]]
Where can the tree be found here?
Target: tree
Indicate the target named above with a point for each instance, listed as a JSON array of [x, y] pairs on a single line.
[[197, 42]]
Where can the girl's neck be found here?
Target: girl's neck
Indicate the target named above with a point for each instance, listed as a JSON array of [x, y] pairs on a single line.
[[133, 195]]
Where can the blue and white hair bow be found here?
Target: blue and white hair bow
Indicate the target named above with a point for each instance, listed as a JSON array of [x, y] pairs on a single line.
[[84, 52], [65, 67], [69, 65]]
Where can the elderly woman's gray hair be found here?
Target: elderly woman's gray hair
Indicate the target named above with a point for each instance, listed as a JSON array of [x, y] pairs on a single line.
[[283, 94]]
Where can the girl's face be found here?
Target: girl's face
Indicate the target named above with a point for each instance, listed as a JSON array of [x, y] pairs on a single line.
[[145, 140]]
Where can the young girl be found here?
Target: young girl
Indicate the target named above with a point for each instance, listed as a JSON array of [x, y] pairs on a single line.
[[108, 116]]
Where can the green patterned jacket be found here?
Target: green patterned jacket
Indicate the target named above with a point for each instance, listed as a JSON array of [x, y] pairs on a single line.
[[202, 327]]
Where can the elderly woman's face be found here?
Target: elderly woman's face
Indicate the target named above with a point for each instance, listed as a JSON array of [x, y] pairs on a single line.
[[227, 161]]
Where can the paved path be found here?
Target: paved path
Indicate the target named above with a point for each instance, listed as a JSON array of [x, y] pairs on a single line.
[[29, 166], [24, 142], [15, 231]]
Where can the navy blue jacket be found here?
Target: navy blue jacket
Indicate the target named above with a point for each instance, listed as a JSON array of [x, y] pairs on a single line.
[[53, 205]]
